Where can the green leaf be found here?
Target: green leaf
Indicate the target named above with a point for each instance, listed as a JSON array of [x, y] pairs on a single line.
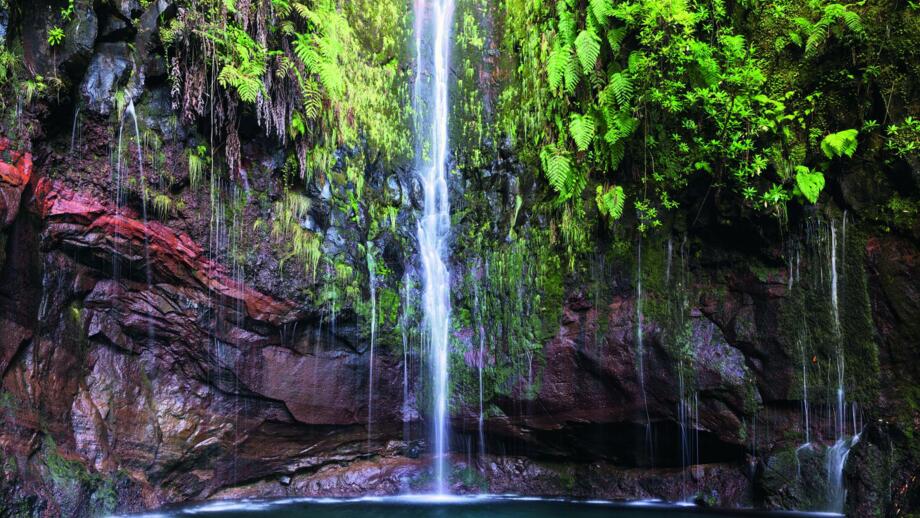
[[621, 88], [809, 182], [601, 9], [557, 63], [620, 125], [611, 202], [588, 49], [572, 76], [842, 143], [567, 24], [582, 129], [615, 38], [557, 168]]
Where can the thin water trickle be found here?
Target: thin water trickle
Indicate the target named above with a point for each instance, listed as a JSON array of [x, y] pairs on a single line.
[[805, 396], [433, 19], [372, 280], [640, 353], [404, 327], [73, 129], [836, 455], [480, 362], [120, 194]]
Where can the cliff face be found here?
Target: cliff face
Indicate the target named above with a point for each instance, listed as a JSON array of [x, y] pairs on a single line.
[[159, 350]]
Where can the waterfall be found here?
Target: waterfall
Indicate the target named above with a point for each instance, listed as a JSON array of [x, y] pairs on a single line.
[[836, 455], [119, 193], [433, 18]]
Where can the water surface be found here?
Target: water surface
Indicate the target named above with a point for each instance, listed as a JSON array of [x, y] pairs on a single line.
[[455, 507]]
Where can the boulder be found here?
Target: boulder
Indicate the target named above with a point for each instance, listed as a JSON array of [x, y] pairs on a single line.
[[108, 70]]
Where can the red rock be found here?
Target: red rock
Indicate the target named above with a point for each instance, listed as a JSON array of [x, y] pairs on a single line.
[[15, 173], [76, 220]]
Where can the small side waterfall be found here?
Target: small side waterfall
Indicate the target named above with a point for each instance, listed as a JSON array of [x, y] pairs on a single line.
[[480, 364], [404, 327], [640, 356], [836, 455], [120, 193], [372, 281], [433, 21], [73, 129]]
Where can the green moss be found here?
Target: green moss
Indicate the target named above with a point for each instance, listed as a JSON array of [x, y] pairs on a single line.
[[860, 347], [471, 478], [7, 400], [73, 480]]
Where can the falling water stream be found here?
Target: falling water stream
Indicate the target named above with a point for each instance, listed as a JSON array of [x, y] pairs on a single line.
[[433, 20], [836, 455], [119, 193], [640, 355], [372, 280], [480, 363]]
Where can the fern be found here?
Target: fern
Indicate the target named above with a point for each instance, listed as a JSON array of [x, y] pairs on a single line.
[[282, 8], [557, 168], [852, 21], [615, 38], [620, 88], [611, 202], [588, 49], [320, 51], [840, 144], [810, 183], [820, 31], [816, 39], [601, 9], [557, 64], [582, 128], [617, 153], [620, 125], [567, 24], [572, 77]]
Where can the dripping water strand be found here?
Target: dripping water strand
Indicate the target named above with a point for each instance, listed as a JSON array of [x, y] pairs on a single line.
[[372, 280], [640, 355], [480, 363]]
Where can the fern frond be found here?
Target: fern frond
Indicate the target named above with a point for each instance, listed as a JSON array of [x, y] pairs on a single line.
[[611, 202], [816, 38], [810, 183], [617, 154], [572, 77], [556, 65], [281, 7], [852, 21], [312, 99], [620, 88], [840, 144], [600, 9], [615, 38], [635, 61], [582, 128], [557, 168], [588, 49], [332, 78], [567, 24], [306, 13]]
